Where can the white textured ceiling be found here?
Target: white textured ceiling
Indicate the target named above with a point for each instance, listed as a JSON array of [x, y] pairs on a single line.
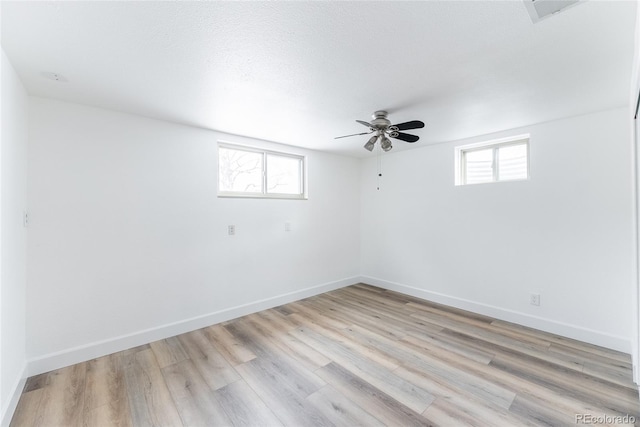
[[300, 73]]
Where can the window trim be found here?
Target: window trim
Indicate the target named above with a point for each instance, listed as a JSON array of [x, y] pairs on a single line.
[[495, 144], [264, 194]]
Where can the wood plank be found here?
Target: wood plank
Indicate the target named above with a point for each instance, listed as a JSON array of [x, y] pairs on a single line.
[[337, 343], [212, 365], [285, 343], [228, 345], [308, 313], [484, 331], [555, 371], [109, 414], [278, 321], [63, 399], [609, 369], [518, 385], [404, 392], [581, 389], [374, 401], [379, 300], [350, 314], [168, 351], [284, 309], [612, 373], [195, 344], [436, 361], [538, 411], [243, 406], [394, 321], [105, 401], [149, 399], [591, 349], [28, 411], [439, 363], [505, 346], [504, 380], [368, 288], [450, 312], [36, 382], [286, 403], [104, 381], [275, 363], [195, 401], [485, 411], [340, 410], [443, 412], [135, 350], [440, 341]]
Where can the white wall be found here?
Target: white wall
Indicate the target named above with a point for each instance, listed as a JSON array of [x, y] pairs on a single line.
[[13, 195], [634, 126], [128, 241], [566, 234]]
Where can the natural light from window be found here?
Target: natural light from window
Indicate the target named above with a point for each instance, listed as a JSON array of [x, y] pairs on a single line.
[[240, 171], [252, 172], [504, 160], [479, 166], [283, 174], [513, 162]]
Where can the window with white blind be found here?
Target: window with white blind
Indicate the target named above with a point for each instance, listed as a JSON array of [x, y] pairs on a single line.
[[504, 160], [252, 172]]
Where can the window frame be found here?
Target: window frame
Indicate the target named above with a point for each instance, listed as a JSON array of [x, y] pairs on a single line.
[[264, 194], [494, 145]]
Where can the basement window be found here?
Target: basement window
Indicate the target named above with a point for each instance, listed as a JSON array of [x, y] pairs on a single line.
[[493, 161], [253, 172]]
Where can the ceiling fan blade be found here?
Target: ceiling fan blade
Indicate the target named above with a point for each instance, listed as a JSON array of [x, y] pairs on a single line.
[[414, 124], [355, 134], [406, 137], [365, 123]]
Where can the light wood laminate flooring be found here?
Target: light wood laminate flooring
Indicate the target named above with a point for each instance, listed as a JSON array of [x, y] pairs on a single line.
[[355, 356]]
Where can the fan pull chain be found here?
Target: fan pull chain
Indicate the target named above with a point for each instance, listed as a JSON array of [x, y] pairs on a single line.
[[379, 152]]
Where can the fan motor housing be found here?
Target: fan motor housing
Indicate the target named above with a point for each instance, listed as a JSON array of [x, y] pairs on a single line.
[[380, 120]]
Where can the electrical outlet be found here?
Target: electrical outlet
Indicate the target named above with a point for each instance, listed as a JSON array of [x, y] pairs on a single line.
[[287, 226], [232, 230], [25, 219], [535, 299]]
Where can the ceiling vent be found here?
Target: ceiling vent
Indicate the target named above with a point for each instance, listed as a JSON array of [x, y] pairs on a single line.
[[541, 9]]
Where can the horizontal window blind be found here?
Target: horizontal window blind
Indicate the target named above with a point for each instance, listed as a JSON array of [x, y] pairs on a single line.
[[504, 161], [479, 166]]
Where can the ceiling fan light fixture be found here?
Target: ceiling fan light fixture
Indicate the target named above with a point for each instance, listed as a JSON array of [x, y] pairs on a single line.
[[371, 143], [385, 143], [384, 130]]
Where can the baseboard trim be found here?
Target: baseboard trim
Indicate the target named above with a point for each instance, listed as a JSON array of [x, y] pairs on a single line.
[[12, 404], [57, 360], [559, 328]]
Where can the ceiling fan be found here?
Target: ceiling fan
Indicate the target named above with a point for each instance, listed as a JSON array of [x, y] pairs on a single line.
[[383, 129]]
